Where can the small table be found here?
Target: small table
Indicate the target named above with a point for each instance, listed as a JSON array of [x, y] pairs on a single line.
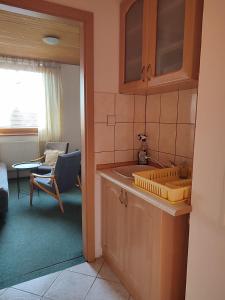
[[31, 166]]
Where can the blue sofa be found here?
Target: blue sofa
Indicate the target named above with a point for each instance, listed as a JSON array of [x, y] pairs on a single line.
[[4, 189]]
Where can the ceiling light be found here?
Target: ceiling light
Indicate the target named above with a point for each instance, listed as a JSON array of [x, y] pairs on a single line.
[[51, 40]]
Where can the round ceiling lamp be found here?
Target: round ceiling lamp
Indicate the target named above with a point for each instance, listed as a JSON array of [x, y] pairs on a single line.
[[51, 40]]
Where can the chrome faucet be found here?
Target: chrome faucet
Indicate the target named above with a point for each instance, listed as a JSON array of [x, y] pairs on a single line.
[[171, 163]]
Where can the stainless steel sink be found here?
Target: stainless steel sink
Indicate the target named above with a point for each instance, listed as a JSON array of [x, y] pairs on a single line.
[[127, 171]]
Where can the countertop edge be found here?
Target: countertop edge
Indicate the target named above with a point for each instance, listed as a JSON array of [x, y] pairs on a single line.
[[172, 209]]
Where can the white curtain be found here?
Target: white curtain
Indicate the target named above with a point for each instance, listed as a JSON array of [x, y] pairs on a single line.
[[51, 129]]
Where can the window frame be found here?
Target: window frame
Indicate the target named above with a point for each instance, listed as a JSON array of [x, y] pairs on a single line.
[[18, 131]]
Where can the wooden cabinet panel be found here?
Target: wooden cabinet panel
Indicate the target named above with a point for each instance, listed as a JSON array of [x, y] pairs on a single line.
[[133, 41], [113, 223], [171, 43], [173, 258], [170, 36], [133, 50], [146, 247], [182, 66], [141, 239]]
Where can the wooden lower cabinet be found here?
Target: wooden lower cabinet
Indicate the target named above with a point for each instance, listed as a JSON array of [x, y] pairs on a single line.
[[141, 230], [145, 247], [113, 220]]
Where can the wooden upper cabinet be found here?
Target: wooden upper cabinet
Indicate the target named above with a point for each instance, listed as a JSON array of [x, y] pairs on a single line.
[[133, 45], [159, 45]]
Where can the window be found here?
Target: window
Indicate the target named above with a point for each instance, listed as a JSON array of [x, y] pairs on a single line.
[[22, 101]]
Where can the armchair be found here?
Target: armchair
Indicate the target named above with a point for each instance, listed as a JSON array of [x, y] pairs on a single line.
[[66, 173], [60, 146]]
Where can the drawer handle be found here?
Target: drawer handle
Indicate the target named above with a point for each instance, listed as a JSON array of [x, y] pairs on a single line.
[[121, 196], [126, 199], [143, 73], [149, 72]]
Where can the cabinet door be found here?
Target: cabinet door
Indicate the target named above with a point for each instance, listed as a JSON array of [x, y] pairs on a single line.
[[169, 36], [176, 44], [133, 50], [113, 214], [141, 250]]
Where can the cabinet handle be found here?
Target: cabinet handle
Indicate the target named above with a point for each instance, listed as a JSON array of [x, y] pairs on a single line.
[[121, 196], [149, 72], [126, 199], [143, 73]]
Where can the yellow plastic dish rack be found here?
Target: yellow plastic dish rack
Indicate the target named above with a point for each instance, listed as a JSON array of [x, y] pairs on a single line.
[[165, 183]]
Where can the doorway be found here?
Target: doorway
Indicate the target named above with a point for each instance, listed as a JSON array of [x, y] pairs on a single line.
[[85, 20]]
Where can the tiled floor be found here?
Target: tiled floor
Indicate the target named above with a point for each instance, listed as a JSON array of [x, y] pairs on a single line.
[[93, 281]]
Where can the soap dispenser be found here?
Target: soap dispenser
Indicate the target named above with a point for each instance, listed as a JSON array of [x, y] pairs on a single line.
[[142, 153]]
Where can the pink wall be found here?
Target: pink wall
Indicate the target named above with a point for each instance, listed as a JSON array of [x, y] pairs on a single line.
[[206, 262], [106, 66], [106, 40], [168, 120]]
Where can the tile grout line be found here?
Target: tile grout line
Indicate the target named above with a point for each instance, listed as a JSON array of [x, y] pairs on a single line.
[[133, 124], [80, 273], [196, 111], [53, 282], [115, 96], [160, 111], [105, 279], [14, 288], [165, 123], [178, 100], [94, 281], [5, 289], [145, 120], [104, 92]]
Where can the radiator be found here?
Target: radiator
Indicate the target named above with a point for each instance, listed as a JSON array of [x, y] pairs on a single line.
[[14, 150]]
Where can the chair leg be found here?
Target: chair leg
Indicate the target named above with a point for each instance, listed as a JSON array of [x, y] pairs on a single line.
[[31, 192], [79, 182], [61, 205], [58, 196]]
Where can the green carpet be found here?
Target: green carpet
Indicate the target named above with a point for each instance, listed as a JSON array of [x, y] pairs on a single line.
[[39, 240]]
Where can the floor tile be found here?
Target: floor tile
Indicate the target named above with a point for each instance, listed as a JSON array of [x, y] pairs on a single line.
[[90, 269], [70, 286], [13, 294], [2, 291], [103, 289], [107, 273], [39, 285]]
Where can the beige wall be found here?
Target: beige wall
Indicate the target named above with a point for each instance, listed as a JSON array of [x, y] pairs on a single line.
[[116, 118], [206, 262], [106, 40], [119, 118], [71, 129], [170, 126], [106, 65], [167, 119], [14, 149]]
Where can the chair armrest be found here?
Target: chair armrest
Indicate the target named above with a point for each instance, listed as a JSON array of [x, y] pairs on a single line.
[[42, 176], [37, 159]]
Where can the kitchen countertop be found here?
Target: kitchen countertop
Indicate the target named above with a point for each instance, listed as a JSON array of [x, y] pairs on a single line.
[[127, 184]]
